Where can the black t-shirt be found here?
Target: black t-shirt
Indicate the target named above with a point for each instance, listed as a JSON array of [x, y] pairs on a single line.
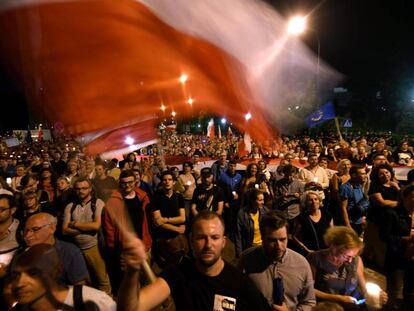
[[201, 198], [230, 290], [136, 213], [376, 212], [169, 207], [311, 233]]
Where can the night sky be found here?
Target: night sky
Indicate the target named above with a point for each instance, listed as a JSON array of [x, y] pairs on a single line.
[[370, 42]]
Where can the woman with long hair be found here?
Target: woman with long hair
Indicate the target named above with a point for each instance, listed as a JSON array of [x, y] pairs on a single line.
[[248, 219], [47, 182], [249, 181]]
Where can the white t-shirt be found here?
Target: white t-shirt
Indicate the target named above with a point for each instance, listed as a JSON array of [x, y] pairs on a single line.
[[102, 301]]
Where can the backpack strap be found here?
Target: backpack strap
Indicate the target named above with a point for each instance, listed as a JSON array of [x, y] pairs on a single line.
[[93, 208], [78, 298], [72, 209]]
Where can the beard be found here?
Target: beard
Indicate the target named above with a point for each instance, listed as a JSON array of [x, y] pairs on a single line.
[[208, 262]]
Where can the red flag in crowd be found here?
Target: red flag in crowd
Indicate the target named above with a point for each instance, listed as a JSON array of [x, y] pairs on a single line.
[[117, 60], [40, 134], [229, 132], [210, 129]]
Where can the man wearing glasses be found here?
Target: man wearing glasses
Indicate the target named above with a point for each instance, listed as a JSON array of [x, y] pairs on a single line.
[[40, 228], [8, 242], [126, 209], [82, 221], [8, 229]]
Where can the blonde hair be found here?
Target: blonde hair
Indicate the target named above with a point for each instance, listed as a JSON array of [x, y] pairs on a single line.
[[341, 166], [305, 195], [342, 238]]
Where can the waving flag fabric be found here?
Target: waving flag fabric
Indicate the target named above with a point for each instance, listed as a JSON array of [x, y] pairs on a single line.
[[105, 68], [324, 113]]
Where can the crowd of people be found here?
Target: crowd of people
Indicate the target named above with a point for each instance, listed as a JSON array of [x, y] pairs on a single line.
[[69, 225], [357, 147]]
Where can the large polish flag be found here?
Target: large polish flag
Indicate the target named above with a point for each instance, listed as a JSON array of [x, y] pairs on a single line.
[[110, 68]]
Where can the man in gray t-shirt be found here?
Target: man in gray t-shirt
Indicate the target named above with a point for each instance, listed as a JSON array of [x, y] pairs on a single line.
[[273, 264], [82, 221]]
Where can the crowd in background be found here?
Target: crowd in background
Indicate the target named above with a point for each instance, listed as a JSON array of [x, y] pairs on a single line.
[[46, 186]]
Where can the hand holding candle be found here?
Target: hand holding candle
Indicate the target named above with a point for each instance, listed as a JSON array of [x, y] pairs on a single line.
[[373, 295]]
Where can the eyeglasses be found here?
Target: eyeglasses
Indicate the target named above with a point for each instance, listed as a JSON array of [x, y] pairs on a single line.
[[129, 183], [346, 257], [36, 229]]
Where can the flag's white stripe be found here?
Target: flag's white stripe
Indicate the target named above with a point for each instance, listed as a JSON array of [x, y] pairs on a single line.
[[114, 153]]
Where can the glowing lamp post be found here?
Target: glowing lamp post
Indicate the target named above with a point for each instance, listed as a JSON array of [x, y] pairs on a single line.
[[129, 140], [183, 78], [297, 25]]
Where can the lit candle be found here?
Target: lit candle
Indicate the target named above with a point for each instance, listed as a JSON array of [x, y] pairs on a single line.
[[373, 295], [315, 179], [256, 186], [188, 183]]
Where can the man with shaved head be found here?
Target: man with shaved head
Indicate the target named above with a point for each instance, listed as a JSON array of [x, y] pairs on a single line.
[[40, 229]]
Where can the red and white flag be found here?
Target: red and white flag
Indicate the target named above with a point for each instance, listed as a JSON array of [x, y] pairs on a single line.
[[229, 132], [107, 67], [210, 129], [247, 142], [40, 134]]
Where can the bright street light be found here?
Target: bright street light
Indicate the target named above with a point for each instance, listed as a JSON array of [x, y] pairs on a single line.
[[162, 107], [183, 78], [297, 25], [173, 113], [248, 116], [129, 140], [190, 101], [223, 121]]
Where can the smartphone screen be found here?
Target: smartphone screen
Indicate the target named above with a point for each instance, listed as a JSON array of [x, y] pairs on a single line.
[[361, 301]]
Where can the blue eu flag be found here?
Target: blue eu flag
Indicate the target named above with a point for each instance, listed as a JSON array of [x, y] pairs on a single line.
[[324, 113]]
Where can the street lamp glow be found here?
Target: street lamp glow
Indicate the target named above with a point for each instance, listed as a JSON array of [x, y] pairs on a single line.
[[190, 101], [248, 116], [129, 140], [297, 25], [183, 78], [223, 121], [173, 113], [162, 107]]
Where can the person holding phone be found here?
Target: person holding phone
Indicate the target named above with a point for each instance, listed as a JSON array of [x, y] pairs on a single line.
[[338, 271]]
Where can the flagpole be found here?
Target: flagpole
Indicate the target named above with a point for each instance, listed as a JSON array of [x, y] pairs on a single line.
[[337, 128]]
